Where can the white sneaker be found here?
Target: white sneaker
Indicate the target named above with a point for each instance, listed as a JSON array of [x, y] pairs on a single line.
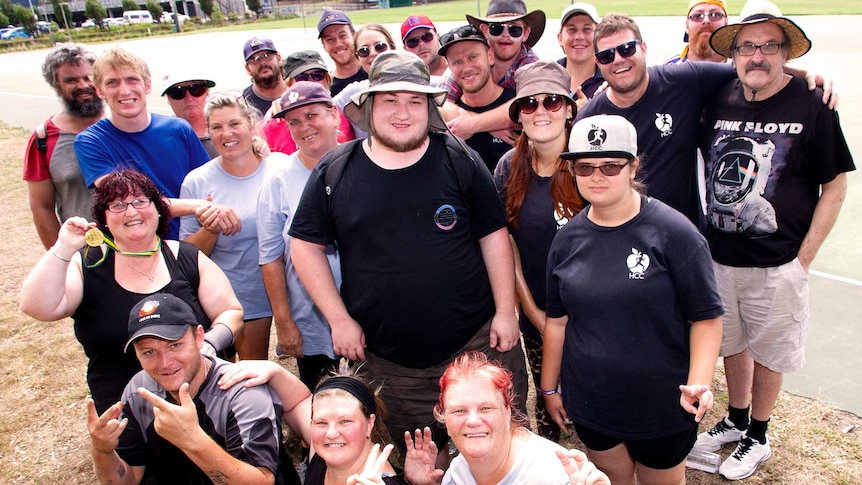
[[721, 434], [744, 460]]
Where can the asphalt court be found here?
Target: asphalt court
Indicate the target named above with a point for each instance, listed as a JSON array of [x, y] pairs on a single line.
[[836, 275]]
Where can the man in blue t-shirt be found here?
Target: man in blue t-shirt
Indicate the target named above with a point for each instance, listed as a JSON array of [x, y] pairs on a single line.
[[163, 148], [177, 425]]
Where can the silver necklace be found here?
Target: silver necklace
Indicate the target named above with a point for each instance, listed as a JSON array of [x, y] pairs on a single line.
[[148, 275]]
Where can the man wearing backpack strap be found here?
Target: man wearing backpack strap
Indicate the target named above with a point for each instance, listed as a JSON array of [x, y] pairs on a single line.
[[427, 267], [56, 187]]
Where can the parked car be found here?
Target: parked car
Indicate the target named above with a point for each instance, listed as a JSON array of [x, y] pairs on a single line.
[[16, 33], [137, 17], [4, 30], [43, 27], [88, 23], [168, 18], [113, 22]]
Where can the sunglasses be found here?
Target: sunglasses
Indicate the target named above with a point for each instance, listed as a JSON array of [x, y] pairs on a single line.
[[413, 42], [529, 105], [767, 49], [311, 75], [586, 170], [365, 51], [260, 57], [496, 30], [626, 50], [179, 92], [465, 32], [713, 16]]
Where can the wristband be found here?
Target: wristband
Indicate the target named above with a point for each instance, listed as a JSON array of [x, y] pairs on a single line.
[[546, 392], [219, 336]]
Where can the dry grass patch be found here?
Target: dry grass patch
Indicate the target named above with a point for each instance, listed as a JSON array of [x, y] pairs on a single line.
[[43, 429]]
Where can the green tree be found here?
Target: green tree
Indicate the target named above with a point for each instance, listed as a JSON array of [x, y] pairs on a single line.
[[94, 10], [217, 18], [4, 20], [207, 7], [6, 7], [58, 13], [130, 5], [254, 6], [155, 10], [23, 16]]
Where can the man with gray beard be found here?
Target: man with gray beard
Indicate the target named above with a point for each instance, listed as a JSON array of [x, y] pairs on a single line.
[[56, 187]]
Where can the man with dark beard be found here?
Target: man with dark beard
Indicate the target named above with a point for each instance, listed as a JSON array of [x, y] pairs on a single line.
[[704, 17], [263, 64], [426, 263], [56, 187]]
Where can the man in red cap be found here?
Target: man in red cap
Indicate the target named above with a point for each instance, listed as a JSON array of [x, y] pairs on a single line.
[[421, 38]]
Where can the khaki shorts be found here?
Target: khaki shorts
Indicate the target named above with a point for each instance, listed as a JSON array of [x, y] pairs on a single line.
[[410, 394], [765, 310]]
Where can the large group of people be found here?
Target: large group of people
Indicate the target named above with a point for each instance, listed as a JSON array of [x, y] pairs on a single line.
[[426, 226]]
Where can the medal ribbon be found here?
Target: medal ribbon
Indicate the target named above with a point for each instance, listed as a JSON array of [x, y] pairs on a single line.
[[113, 246]]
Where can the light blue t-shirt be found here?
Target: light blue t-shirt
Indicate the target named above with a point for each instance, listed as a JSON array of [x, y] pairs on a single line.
[[237, 254], [279, 197]]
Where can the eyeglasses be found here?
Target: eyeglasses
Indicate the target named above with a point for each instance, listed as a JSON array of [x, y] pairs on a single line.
[[260, 57], [496, 30], [586, 170], [413, 42], [529, 105], [713, 16], [120, 206], [766, 49], [365, 51], [465, 32], [626, 50], [179, 92], [311, 75]]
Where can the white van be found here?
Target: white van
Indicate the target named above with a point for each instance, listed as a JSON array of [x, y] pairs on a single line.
[[137, 17]]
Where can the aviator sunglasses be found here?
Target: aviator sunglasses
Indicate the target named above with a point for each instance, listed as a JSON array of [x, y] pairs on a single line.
[[496, 30], [311, 75], [179, 92], [586, 170], [365, 51], [712, 16], [413, 43], [626, 50], [529, 105]]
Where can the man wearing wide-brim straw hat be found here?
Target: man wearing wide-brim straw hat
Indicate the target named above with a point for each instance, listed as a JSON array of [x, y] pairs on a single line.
[[775, 163], [426, 263]]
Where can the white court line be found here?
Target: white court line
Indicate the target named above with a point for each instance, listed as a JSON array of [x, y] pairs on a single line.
[[836, 278]]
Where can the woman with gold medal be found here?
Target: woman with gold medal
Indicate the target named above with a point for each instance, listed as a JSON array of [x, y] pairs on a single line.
[[96, 272]]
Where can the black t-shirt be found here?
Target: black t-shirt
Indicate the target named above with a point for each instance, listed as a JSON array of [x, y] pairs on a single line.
[[765, 162], [629, 292], [339, 83], [260, 103], [490, 147], [667, 118], [412, 269]]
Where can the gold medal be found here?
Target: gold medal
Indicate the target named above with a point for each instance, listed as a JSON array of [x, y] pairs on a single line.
[[94, 237]]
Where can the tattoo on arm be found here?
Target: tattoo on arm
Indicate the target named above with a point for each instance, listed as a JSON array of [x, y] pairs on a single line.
[[218, 477]]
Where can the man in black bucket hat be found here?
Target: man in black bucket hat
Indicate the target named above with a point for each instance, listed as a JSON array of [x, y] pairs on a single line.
[[427, 267], [775, 176]]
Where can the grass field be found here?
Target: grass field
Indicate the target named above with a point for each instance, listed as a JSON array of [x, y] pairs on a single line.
[[43, 432]]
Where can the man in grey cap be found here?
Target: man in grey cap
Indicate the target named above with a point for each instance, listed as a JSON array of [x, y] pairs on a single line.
[[427, 266], [263, 64], [187, 93], [776, 164], [177, 425], [335, 31]]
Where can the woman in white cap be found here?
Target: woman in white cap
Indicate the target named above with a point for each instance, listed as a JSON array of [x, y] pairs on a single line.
[[540, 197], [633, 316]]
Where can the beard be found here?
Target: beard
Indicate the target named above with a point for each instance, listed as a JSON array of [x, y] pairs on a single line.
[[400, 146], [84, 109], [267, 81], [699, 44]]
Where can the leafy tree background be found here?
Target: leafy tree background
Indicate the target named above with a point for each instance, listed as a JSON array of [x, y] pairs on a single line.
[[94, 10], [130, 5], [155, 10]]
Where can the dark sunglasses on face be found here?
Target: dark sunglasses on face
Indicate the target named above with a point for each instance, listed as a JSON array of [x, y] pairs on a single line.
[[365, 51], [260, 57], [465, 32], [626, 50], [713, 16], [496, 30], [179, 92], [586, 170], [311, 75], [413, 43], [529, 105]]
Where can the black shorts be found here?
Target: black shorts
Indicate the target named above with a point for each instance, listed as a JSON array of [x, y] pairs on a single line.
[[660, 453]]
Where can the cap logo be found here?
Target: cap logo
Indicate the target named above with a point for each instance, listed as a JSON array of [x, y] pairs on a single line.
[[329, 17], [292, 97], [255, 42], [148, 308], [597, 137], [413, 20]]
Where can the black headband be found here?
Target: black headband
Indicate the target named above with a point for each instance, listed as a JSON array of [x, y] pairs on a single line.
[[354, 386]]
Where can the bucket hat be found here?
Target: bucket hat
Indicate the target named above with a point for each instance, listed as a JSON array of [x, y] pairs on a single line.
[[541, 77]]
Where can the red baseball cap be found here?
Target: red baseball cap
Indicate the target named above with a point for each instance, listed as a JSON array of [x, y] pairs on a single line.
[[414, 22]]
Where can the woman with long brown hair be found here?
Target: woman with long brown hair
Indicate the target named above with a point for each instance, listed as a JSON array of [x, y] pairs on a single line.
[[540, 197]]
